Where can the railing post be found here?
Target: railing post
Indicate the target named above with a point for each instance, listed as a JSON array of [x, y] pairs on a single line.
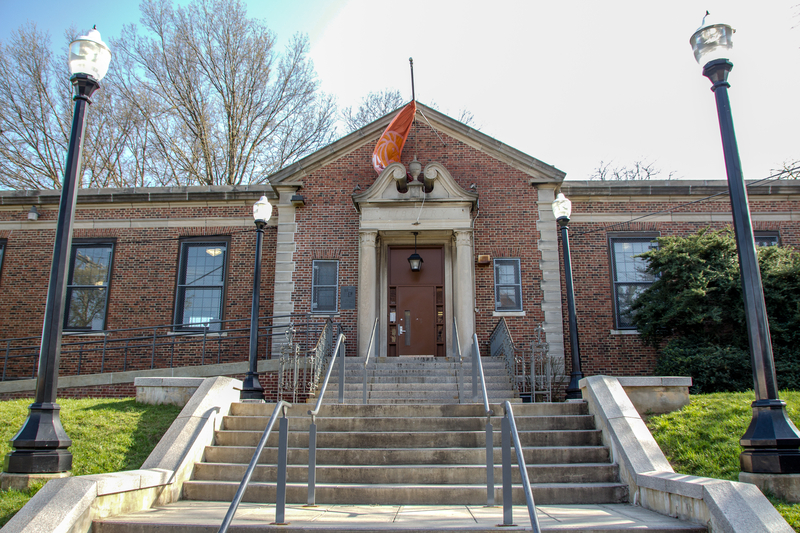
[[80, 358], [475, 353], [508, 500], [103, 356], [489, 463], [283, 444], [205, 335], [125, 360], [341, 372], [365, 385], [5, 362], [312, 462], [153, 354]]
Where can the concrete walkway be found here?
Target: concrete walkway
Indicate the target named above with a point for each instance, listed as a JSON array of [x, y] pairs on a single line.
[[207, 516]]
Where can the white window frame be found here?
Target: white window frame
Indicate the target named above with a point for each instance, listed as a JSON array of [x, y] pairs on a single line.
[[315, 265], [633, 238], [518, 271]]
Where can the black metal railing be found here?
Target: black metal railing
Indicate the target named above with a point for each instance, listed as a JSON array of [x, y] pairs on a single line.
[[283, 445], [150, 347]]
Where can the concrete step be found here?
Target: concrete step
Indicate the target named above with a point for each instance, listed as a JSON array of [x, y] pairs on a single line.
[[391, 494], [417, 410], [375, 423], [332, 399], [418, 440], [440, 474], [205, 517], [405, 456]]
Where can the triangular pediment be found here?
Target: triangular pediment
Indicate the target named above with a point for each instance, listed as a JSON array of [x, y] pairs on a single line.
[[538, 171]]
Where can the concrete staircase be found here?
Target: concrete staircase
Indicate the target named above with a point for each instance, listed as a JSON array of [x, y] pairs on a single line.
[[413, 380], [412, 459], [411, 455]]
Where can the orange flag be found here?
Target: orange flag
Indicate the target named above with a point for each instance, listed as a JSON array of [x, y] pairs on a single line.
[[390, 145]]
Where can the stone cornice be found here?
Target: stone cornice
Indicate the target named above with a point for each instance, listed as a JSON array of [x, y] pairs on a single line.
[[659, 190], [142, 195]]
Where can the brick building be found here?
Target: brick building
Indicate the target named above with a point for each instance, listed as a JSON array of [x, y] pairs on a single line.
[[478, 213]]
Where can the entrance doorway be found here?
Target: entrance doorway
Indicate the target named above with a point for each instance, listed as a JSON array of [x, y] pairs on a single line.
[[416, 303]]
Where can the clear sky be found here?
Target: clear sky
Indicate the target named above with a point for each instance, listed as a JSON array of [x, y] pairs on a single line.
[[570, 82]]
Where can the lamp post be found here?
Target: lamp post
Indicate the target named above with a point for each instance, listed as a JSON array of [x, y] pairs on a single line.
[[41, 446], [562, 209], [251, 388], [771, 441]]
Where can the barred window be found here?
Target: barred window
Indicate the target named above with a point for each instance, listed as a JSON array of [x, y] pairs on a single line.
[[507, 285], [766, 238]]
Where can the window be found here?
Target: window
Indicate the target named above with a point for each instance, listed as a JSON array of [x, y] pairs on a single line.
[[87, 286], [507, 285], [766, 238], [628, 275], [325, 287], [201, 284]]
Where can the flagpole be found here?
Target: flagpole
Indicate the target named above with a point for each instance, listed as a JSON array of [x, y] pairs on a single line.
[[411, 62]]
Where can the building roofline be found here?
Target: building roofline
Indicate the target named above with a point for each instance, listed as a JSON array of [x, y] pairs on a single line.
[[539, 171], [674, 188], [141, 194]]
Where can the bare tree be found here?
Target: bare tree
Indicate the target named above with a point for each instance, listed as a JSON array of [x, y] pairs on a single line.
[[372, 107], [639, 170], [218, 105], [35, 119], [377, 104], [791, 170]]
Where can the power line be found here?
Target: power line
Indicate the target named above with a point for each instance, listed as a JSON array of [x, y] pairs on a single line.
[[773, 177]]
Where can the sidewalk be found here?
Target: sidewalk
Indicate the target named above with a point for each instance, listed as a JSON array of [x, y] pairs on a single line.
[[408, 518]]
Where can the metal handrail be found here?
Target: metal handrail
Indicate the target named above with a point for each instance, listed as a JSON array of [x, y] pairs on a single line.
[[477, 371], [509, 432], [280, 504], [366, 359], [312, 429], [152, 346], [460, 357]]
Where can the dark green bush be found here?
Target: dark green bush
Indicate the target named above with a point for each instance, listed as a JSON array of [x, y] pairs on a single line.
[[712, 367], [694, 312]]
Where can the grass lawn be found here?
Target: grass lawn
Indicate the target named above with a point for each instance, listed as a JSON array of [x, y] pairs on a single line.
[[702, 439], [108, 435]]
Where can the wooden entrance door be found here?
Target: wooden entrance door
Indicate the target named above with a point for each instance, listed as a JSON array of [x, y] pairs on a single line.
[[416, 303]]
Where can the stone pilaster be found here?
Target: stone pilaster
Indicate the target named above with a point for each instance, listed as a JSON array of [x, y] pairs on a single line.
[[367, 289], [551, 276], [284, 267], [464, 294]]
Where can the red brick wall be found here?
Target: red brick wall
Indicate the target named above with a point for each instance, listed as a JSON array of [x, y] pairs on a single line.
[[505, 227], [617, 354], [142, 286]]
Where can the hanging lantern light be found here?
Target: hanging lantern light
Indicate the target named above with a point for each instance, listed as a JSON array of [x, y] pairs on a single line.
[[415, 260]]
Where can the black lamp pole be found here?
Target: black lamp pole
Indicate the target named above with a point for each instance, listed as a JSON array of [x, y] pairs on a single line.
[[41, 446], [251, 387], [573, 389], [771, 441]]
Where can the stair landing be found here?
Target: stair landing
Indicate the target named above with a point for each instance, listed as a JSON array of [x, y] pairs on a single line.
[[206, 517]]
